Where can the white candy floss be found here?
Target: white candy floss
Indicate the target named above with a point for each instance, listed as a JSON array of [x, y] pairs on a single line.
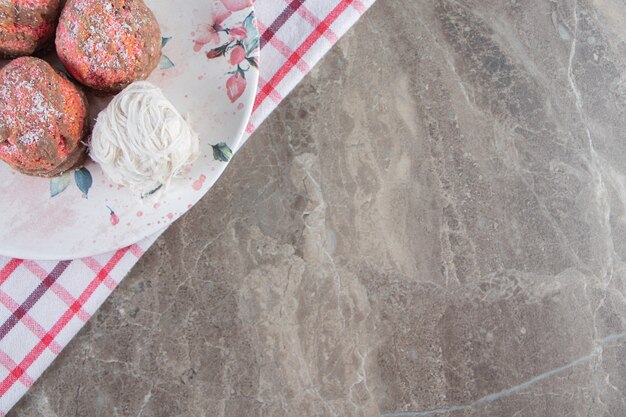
[[141, 141]]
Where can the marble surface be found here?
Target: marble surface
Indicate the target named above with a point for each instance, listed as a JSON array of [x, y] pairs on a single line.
[[433, 223]]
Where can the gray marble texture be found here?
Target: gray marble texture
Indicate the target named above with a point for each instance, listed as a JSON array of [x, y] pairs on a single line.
[[432, 224]]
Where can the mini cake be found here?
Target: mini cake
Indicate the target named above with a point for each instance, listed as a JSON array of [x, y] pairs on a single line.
[[43, 118], [26, 25], [108, 44]]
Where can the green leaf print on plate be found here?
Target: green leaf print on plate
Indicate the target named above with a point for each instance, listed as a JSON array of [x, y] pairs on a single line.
[[59, 184], [165, 62], [221, 152], [252, 41], [84, 180]]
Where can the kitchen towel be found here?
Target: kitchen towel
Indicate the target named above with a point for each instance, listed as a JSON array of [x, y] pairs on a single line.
[[44, 304]]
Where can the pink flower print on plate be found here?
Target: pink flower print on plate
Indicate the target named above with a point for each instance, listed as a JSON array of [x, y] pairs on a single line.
[[235, 86], [210, 33], [237, 55], [238, 34]]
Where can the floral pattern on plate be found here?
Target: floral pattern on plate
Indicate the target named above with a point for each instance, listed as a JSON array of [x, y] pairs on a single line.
[[239, 44]]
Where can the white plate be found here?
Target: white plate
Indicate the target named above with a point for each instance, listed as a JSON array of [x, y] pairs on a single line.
[[66, 218]]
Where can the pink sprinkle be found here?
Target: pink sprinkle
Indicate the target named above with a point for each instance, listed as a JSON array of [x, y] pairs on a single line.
[[170, 216], [197, 185], [139, 213], [157, 205], [200, 77], [240, 106], [189, 206]]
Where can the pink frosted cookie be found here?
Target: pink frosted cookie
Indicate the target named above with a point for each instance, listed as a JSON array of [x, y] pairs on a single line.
[[108, 44], [26, 25], [42, 119]]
